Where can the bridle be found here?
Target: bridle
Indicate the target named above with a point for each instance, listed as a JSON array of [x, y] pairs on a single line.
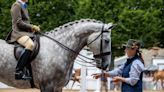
[[95, 56], [101, 54]]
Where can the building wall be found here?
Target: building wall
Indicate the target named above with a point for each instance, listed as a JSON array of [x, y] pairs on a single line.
[[148, 55]]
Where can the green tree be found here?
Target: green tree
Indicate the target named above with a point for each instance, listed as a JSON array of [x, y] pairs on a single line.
[[136, 19]]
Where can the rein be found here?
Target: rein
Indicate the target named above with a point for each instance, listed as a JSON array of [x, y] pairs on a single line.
[[63, 46], [95, 56]]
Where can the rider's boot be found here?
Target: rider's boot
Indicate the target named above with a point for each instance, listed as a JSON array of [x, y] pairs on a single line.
[[22, 62]]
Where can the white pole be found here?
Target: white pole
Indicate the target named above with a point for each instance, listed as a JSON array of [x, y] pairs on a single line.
[[98, 82], [83, 79], [110, 46]]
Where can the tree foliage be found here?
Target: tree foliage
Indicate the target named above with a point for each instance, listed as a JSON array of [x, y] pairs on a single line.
[[136, 19]]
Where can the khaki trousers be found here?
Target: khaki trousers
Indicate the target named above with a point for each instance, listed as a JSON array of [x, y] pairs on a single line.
[[27, 42]]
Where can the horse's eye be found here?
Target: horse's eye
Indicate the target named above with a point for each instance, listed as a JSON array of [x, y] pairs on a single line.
[[106, 41]]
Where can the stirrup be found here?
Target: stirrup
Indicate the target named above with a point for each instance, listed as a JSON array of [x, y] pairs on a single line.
[[24, 77]]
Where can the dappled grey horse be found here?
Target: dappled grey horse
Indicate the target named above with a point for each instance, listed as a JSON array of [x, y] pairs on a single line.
[[52, 67]]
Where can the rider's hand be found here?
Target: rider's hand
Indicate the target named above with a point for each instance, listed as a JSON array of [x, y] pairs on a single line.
[[35, 28]]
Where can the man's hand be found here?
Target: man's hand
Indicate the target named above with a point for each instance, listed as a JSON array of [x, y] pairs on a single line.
[[118, 79], [98, 75], [116, 83], [35, 28]]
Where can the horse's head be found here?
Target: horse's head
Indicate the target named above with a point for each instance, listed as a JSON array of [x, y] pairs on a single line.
[[99, 44], [89, 32]]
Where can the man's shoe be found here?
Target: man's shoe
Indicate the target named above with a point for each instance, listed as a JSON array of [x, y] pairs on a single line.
[[19, 75]]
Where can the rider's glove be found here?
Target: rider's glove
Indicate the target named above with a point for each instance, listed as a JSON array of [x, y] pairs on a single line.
[[35, 28]]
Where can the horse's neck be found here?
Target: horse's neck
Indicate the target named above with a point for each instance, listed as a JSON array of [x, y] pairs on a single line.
[[75, 37], [69, 40]]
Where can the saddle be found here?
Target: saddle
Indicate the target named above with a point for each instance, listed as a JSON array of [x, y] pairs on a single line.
[[18, 49]]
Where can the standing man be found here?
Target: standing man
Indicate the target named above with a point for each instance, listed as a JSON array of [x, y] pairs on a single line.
[[22, 31], [131, 72]]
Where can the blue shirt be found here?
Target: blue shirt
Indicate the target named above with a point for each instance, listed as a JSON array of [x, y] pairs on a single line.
[[134, 75], [23, 4]]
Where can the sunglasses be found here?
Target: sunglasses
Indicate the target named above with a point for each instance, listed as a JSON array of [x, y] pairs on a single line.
[[128, 48]]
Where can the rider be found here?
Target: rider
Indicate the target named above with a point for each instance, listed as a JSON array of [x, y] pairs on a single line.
[[131, 72], [22, 31]]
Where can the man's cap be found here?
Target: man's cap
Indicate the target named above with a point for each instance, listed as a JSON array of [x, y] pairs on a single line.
[[132, 44]]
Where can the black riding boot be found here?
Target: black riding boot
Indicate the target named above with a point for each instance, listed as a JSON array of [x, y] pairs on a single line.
[[22, 62]]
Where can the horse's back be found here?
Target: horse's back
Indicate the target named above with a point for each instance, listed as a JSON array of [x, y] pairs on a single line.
[[158, 75], [161, 73], [4, 44], [6, 49]]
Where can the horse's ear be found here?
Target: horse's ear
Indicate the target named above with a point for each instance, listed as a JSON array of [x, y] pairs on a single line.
[[111, 26]]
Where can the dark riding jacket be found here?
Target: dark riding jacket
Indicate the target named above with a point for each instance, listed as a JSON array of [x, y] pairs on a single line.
[[20, 22]]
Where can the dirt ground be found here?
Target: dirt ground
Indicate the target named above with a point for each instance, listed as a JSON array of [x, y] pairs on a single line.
[[36, 90], [18, 90]]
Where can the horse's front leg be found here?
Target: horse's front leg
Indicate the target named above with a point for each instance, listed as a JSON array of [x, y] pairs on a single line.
[[155, 84], [58, 90], [47, 87], [162, 84]]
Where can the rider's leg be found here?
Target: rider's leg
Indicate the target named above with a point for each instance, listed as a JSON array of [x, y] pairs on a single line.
[[27, 42], [23, 60]]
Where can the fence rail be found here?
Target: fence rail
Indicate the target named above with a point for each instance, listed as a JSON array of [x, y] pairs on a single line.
[[36, 90]]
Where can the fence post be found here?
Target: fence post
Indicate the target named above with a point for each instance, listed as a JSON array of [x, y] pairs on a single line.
[[83, 79]]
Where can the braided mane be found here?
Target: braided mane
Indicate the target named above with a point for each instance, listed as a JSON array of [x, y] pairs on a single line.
[[59, 29]]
